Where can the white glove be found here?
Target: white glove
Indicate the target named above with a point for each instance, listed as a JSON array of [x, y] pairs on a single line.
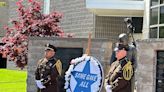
[[108, 88], [39, 84]]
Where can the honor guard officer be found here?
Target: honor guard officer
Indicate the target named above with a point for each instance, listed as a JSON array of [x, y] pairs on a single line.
[[123, 45], [122, 66], [48, 70]]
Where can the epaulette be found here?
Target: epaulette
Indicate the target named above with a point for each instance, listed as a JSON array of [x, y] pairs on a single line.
[[41, 61], [58, 65]]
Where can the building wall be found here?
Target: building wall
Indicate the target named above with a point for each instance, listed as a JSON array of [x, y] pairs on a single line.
[[146, 20], [100, 49], [76, 18], [12, 9], [3, 17], [81, 21], [146, 71]]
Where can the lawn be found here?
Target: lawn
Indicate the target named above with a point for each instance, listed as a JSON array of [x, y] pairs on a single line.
[[12, 80]]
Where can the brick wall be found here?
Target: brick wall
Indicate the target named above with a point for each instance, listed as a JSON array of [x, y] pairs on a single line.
[[3, 17], [101, 49], [77, 19], [12, 9], [147, 60]]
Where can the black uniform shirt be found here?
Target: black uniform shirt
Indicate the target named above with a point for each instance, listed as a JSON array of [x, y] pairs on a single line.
[[46, 71]]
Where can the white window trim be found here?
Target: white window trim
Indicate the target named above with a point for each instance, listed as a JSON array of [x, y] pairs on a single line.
[[46, 7]]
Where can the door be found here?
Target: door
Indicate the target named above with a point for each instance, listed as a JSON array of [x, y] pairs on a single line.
[[160, 72], [3, 62], [66, 55]]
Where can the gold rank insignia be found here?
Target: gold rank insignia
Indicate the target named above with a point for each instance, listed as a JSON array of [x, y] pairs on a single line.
[[128, 71], [58, 65]]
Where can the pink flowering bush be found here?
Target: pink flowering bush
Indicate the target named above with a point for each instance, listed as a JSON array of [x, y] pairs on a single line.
[[30, 22]]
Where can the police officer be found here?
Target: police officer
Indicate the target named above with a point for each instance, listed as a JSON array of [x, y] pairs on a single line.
[[123, 45], [48, 70], [122, 53]]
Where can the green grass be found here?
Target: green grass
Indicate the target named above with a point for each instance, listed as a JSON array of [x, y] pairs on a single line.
[[12, 80]]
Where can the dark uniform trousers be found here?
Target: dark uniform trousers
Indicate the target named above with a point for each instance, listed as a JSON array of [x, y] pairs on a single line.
[[50, 88], [123, 86], [48, 74]]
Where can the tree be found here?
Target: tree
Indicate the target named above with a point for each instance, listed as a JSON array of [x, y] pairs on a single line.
[[30, 22]]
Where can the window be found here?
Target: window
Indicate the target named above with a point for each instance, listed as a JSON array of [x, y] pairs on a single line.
[[157, 19], [160, 72], [154, 2], [137, 23], [161, 32], [161, 1], [46, 9], [153, 33], [154, 16], [161, 14]]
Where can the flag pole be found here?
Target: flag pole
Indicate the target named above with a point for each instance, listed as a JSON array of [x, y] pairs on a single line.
[[88, 50]]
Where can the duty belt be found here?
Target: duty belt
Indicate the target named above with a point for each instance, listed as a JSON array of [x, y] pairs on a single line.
[[114, 84]]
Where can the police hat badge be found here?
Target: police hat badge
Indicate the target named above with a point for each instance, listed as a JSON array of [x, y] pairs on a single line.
[[50, 47]]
